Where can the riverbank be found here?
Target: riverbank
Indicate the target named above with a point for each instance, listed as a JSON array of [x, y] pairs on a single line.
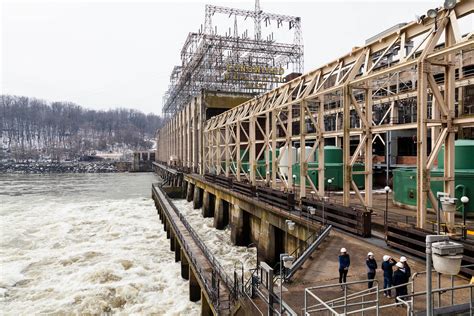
[[62, 167]]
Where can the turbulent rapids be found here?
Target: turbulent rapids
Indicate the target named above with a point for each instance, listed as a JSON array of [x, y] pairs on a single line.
[[86, 244]]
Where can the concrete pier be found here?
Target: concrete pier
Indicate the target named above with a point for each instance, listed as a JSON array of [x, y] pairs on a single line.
[[184, 266], [208, 204], [189, 191], [205, 307], [197, 197], [266, 245], [221, 214], [194, 288], [237, 234], [177, 250]]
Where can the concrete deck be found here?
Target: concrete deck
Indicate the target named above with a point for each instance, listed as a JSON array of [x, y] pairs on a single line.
[[322, 269]]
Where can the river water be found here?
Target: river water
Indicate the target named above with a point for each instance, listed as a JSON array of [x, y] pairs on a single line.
[[86, 243]]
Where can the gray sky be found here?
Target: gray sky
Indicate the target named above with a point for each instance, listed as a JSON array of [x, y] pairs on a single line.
[[120, 53]]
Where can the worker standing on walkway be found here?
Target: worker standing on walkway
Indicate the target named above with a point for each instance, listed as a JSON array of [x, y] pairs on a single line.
[[344, 263], [387, 265], [371, 268], [406, 266], [400, 279]]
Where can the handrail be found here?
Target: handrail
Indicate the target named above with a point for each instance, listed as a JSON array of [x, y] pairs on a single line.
[[403, 300], [358, 294], [307, 252], [345, 297], [315, 235]]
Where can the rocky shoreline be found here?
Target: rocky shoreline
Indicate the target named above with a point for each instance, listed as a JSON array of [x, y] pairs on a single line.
[[62, 167]]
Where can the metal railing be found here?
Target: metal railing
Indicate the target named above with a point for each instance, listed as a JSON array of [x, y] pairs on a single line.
[[346, 301], [308, 249], [415, 275], [343, 302], [410, 303], [301, 248], [258, 285]]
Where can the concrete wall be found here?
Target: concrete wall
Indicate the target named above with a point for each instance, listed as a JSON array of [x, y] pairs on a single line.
[[254, 222]]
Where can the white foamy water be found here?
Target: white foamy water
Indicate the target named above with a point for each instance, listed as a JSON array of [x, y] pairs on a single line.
[[78, 244], [218, 241]]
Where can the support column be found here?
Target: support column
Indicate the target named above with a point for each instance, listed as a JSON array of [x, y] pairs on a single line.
[[346, 149], [266, 242], [423, 175], [205, 307], [450, 101], [321, 158], [237, 234], [208, 205], [221, 214], [194, 288], [177, 250], [172, 241], [184, 266], [197, 199], [190, 192]]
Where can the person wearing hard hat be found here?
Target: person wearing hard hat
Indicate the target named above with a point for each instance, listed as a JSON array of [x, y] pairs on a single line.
[[404, 260], [387, 265], [344, 263], [400, 279], [371, 268]]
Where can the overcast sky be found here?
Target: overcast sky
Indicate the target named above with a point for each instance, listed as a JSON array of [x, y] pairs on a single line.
[[120, 53]]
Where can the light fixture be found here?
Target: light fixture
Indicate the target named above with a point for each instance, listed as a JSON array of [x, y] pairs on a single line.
[[448, 204], [432, 13], [290, 224], [329, 181], [447, 257], [464, 201], [288, 261], [387, 189], [419, 19], [449, 4]]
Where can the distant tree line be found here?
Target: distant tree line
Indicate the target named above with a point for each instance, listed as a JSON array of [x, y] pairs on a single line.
[[32, 128]]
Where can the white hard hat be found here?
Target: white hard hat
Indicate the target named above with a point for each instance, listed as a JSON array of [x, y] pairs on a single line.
[[370, 254], [343, 250], [386, 257], [403, 259], [399, 264]]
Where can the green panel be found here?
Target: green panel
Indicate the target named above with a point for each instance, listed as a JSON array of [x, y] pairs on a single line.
[[404, 186], [332, 154], [463, 153], [333, 171]]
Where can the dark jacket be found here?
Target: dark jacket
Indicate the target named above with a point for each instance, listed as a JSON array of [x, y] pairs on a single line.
[[407, 269], [371, 265], [399, 277], [387, 268], [344, 261]]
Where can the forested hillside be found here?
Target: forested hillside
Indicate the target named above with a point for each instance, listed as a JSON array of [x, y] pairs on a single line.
[[33, 129]]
